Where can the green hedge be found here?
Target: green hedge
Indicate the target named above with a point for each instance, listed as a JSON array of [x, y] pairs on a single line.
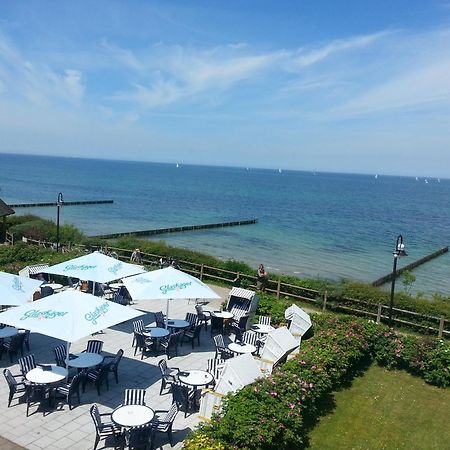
[[276, 412], [16, 257], [40, 229]]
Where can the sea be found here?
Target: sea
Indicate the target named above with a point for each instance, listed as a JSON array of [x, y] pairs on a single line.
[[310, 224]]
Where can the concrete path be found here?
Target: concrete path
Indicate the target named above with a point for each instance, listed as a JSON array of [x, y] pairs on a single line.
[[56, 429]]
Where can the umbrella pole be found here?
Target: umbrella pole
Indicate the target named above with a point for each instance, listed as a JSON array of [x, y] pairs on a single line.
[[167, 313], [67, 357]]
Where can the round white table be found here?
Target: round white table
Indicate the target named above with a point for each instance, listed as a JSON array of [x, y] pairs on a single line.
[[132, 415], [54, 286], [262, 329], [239, 348], [222, 314], [41, 376], [8, 332], [85, 360], [195, 377], [178, 323], [155, 332]]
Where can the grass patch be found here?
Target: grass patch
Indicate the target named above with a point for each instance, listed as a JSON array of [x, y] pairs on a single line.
[[385, 410]]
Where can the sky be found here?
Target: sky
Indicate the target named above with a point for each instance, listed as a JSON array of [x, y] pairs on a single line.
[[351, 86]]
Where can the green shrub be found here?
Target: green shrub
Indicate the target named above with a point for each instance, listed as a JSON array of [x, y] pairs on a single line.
[[43, 230], [16, 257], [276, 412], [269, 414], [270, 306], [38, 229]]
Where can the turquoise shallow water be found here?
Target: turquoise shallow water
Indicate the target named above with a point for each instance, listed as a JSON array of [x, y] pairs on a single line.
[[326, 225]]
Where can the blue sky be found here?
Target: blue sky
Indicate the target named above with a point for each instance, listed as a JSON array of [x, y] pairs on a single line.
[[352, 86]]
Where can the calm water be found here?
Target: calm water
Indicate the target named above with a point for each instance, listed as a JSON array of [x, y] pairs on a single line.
[[326, 225]]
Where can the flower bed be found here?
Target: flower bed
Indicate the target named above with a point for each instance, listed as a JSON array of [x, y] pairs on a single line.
[[273, 412]]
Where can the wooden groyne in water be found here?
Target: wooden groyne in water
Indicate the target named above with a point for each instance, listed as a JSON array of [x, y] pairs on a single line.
[[411, 266], [178, 229], [37, 205]]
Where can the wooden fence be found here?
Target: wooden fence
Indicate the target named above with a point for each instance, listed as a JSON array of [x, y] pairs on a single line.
[[424, 324]]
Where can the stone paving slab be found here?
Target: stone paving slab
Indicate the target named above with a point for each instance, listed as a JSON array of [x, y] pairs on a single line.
[[60, 428]]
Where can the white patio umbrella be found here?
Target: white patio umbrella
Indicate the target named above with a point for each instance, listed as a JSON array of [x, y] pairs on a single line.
[[95, 267], [168, 283], [69, 315], [15, 290]]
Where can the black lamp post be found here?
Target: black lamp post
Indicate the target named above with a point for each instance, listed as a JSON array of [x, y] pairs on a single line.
[[398, 252], [59, 203]]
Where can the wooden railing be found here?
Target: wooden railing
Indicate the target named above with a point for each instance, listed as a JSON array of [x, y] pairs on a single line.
[[425, 324]]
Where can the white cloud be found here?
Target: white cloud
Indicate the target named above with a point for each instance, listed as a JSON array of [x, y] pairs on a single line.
[[181, 74], [410, 91], [415, 77], [35, 81], [124, 56], [316, 55]]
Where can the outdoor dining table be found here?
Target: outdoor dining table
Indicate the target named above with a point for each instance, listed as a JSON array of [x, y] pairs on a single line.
[[262, 329], [241, 348], [8, 332], [222, 314], [54, 286], [85, 360], [225, 317], [195, 378], [46, 374], [132, 415], [155, 332], [178, 324]]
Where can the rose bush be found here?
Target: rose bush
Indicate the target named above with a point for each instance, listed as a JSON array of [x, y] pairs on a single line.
[[271, 413]]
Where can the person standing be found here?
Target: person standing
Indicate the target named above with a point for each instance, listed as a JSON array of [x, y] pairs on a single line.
[[261, 278], [136, 256]]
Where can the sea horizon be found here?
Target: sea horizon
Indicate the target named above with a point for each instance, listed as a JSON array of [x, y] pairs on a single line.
[[310, 224], [272, 168]]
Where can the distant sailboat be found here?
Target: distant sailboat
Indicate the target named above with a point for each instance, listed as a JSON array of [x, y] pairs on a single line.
[[426, 181], [417, 178], [376, 176], [178, 165], [439, 180], [279, 170]]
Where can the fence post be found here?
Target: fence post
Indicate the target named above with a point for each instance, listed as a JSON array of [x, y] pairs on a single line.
[[441, 328], [325, 297], [379, 313], [201, 272], [278, 289]]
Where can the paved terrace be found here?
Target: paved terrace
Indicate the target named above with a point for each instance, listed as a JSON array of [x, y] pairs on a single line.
[[63, 429]]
